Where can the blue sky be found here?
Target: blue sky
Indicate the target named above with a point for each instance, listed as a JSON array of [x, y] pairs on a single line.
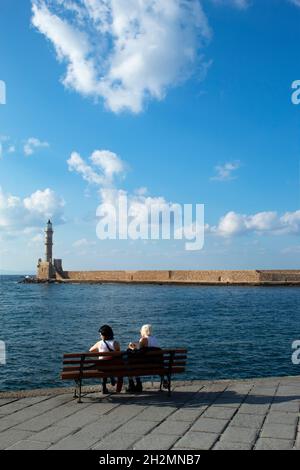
[[195, 106]]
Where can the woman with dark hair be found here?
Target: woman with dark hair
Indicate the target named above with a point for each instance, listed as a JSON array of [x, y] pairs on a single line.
[[107, 344]]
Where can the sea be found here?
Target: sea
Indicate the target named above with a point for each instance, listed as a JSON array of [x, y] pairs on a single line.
[[229, 331]]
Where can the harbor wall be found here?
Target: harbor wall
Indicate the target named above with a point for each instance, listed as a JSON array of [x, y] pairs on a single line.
[[185, 276], [280, 276]]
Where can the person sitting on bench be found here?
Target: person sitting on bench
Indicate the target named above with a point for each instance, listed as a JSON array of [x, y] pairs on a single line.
[[107, 344], [147, 340]]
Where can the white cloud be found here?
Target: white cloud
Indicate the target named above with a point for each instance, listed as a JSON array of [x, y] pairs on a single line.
[[77, 164], [291, 220], [233, 224], [125, 52], [24, 215], [36, 240], [82, 243], [32, 144], [6, 146], [240, 4], [108, 162], [142, 191], [295, 2], [291, 250], [45, 203], [224, 172], [106, 166]]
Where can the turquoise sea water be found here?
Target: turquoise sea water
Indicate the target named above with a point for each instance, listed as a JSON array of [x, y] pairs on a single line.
[[229, 331]]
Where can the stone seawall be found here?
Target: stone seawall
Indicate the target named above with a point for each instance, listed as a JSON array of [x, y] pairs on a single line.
[[186, 277], [280, 276]]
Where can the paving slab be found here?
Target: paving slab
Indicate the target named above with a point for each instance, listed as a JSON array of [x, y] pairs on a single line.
[[11, 436], [239, 434], [176, 428], [136, 426], [117, 441], [5, 401], [197, 440], [285, 405], [297, 443], [16, 405], [227, 445], [273, 444], [279, 431], [72, 443], [28, 444], [155, 441], [209, 425], [247, 420], [157, 413], [187, 414], [53, 434], [219, 412], [282, 418], [254, 409]]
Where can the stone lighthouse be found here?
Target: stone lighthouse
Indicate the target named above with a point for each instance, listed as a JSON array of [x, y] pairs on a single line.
[[48, 241], [49, 268]]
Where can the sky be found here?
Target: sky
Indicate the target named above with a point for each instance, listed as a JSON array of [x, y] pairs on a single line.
[[185, 102]]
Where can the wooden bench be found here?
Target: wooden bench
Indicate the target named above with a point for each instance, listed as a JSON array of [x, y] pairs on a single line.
[[162, 362]]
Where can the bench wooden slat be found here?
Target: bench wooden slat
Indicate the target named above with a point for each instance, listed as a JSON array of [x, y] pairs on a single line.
[[124, 371], [129, 373], [124, 367], [138, 358], [95, 361], [118, 366], [113, 354]]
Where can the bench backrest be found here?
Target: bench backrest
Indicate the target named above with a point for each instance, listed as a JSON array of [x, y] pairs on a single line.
[[143, 362]]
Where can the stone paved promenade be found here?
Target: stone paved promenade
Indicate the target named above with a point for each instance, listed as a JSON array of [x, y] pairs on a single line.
[[242, 414]]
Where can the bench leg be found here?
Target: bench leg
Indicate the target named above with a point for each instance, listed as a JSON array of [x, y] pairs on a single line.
[[75, 389], [79, 397], [169, 385], [161, 383]]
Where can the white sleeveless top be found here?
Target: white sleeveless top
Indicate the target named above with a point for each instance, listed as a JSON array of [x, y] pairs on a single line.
[[102, 347]]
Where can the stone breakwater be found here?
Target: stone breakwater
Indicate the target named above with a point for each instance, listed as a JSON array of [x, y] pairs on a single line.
[[201, 277]]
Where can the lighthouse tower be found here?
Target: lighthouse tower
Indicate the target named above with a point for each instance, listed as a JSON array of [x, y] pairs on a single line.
[[49, 268], [48, 241]]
